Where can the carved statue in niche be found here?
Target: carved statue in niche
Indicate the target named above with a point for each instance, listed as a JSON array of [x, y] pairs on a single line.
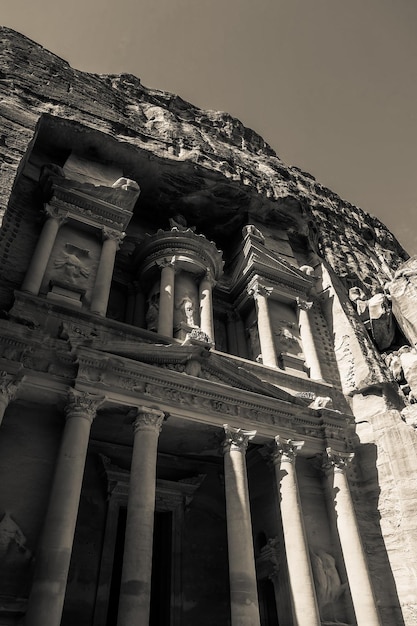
[[254, 343], [187, 311], [14, 554], [287, 339], [152, 312], [71, 265], [329, 586]]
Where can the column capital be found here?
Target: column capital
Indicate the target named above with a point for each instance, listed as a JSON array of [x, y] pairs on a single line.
[[111, 233], [338, 461], [82, 404], [285, 450], [209, 278], [256, 289], [9, 385], [148, 419], [55, 213], [304, 305], [237, 438], [166, 262]]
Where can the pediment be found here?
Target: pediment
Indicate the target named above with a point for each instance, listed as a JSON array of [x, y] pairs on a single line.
[[198, 361], [257, 258]]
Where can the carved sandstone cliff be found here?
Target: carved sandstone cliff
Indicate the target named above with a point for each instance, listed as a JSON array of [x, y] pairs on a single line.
[[234, 170], [219, 175]]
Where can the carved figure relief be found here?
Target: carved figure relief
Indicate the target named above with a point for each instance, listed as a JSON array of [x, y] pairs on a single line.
[[376, 314], [329, 586], [288, 341], [12, 540], [254, 343], [71, 265], [188, 311], [152, 312]]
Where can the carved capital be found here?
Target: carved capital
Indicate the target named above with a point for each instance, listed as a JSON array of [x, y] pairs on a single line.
[[337, 461], [236, 438], [208, 278], [303, 304], [54, 213], [82, 404], [8, 387], [148, 419], [256, 289], [114, 235], [285, 450], [166, 262]]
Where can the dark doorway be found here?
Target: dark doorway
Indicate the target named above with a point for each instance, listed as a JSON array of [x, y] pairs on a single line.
[[267, 603], [161, 570], [160, 614]]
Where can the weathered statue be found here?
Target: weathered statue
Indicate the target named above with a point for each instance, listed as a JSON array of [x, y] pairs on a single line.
[[187, 307], [152, 313], [376, 313], [329, 586]]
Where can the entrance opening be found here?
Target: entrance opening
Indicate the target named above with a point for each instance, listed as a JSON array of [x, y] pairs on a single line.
[[267, 603], [160, 608], [161, 570]]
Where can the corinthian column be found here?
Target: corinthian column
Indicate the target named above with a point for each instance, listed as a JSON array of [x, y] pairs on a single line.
[[34, 275], [206, 305], [307, 339], [54, 551], [266, 338], [242, 573], [303, 594], [335, 464], [102, 285], [135, 588], [166, 297]]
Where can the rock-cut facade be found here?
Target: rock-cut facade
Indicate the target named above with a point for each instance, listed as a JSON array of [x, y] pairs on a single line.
[[208, 371]]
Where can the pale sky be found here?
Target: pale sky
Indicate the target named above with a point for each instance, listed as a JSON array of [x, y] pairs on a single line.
[[331, 85]]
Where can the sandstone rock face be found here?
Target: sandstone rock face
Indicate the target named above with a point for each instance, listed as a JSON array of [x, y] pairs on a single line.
[[205, 169], [227, 169]]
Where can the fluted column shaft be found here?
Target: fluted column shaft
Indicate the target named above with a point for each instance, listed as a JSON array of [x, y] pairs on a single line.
[[36, 271], [242, 573], [102, 285], [266, 337], [303, 595], [307, 340], [206, 305], [166, 298], [135, 589], [335, 464], [54, 552]]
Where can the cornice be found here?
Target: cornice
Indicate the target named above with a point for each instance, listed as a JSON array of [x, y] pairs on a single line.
[[175, 391], [83, 206]]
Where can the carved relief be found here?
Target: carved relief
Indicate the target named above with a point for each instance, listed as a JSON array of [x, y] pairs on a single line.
[[12, 539], [71, 266], [329, 586], [288, 340], [152, 313]]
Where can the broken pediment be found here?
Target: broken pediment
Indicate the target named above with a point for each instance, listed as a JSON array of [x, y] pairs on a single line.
[[256, 259], [197, 361]]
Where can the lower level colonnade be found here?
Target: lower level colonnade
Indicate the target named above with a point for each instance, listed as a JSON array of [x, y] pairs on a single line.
[[54, 551]]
